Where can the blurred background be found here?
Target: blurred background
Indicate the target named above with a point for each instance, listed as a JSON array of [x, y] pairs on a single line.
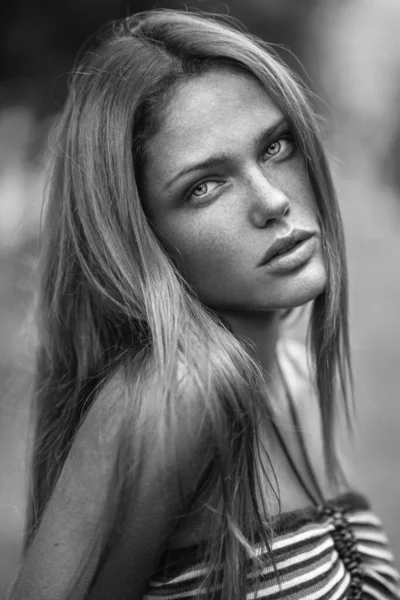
[[348, 52]]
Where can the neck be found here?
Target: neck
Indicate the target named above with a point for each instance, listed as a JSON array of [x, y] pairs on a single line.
[[262, 330]]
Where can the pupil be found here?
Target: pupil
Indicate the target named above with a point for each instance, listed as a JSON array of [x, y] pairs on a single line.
[[200, 188], [274, 147]]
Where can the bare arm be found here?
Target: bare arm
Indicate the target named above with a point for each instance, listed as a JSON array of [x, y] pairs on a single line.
[[65, 539]]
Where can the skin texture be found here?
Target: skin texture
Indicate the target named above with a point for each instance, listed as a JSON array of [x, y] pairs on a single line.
[[219, 221]]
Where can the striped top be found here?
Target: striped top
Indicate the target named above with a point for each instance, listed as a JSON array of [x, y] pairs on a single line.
[[331, 552]]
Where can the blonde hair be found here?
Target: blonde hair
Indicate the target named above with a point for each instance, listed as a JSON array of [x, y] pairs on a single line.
[[110, 298]]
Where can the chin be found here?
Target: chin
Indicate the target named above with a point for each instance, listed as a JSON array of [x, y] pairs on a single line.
[[301, 298], [298, 290]]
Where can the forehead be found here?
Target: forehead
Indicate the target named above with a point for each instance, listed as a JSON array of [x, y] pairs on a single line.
[[212, 112]]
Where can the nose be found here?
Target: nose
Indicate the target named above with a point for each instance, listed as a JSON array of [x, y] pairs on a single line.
[[268, 202]]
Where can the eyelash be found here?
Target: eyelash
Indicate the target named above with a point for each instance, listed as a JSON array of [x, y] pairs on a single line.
[[287, 137]]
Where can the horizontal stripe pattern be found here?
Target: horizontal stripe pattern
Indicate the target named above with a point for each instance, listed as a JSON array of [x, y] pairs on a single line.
[[307, 560]]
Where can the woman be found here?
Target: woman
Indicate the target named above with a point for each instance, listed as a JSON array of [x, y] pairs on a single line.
[[183, 446]]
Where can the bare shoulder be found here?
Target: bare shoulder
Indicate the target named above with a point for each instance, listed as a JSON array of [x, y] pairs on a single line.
[[104, 418], [122, 409], [68, 536]]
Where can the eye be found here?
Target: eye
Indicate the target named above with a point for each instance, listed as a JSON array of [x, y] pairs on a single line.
[[274, 148], [282, 147], [203, 189]]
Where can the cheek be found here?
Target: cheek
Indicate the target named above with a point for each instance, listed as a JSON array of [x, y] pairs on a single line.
[[293, 179], [305, 192], [201, 253]]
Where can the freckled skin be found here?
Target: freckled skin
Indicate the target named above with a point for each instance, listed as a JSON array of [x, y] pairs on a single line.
[[219, 239]]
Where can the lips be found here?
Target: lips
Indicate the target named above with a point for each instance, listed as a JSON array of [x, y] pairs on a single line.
[[286, 244]]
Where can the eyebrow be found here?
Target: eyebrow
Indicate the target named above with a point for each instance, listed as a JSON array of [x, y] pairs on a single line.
[[217, 160]]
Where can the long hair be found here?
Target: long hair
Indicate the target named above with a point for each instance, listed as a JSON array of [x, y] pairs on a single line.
[[111, 298]]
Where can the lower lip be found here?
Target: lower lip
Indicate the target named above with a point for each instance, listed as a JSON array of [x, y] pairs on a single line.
[[294, 258]]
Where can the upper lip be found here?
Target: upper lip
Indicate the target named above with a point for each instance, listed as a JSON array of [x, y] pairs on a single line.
[[285, 244]]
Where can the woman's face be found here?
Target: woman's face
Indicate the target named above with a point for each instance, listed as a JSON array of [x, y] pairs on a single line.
[[223, 183]]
